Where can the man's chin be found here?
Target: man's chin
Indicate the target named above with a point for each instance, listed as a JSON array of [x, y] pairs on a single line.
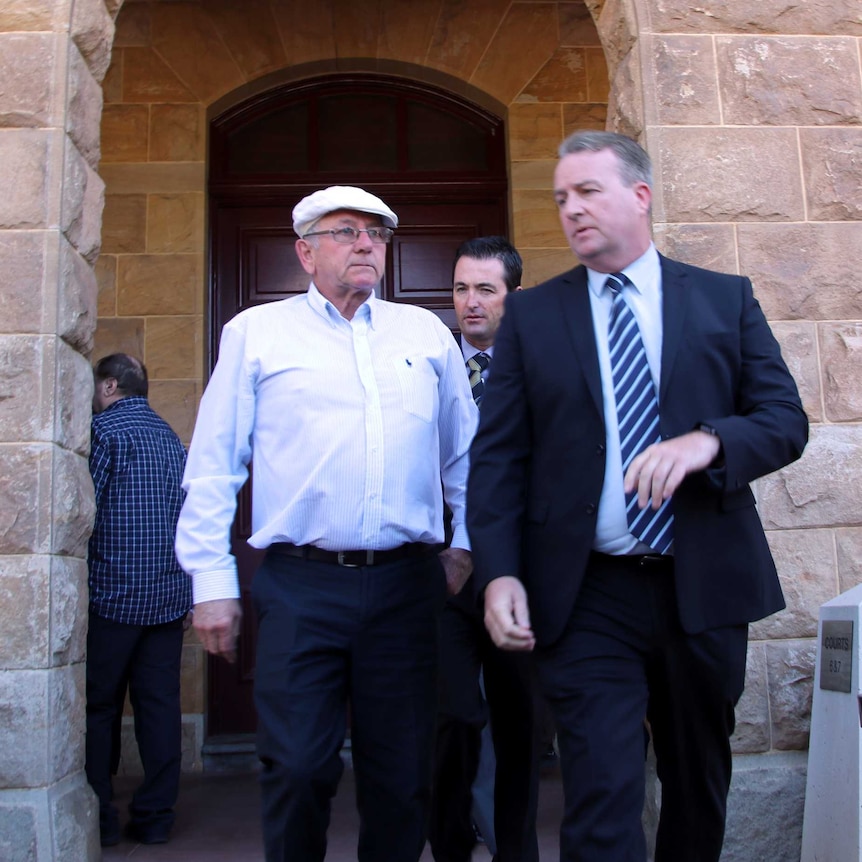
[[366, 282], [474, 334], [583, 248]]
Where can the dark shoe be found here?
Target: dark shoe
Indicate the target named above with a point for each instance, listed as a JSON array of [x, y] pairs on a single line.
[[109, 838], [151, 833], [109, 826]]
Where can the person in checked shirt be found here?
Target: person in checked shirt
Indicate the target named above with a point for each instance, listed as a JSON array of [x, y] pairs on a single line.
[[139, 598]]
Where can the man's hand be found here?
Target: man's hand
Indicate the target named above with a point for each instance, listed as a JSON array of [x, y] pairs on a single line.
[[458, 565], [658, 471], [217, 625], [507, 616]]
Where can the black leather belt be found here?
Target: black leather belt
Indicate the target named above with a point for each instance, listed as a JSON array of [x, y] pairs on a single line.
[[651, 562], [353, 559]]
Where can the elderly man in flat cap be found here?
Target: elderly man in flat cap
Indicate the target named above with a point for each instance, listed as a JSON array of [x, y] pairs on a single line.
[[358, 417]]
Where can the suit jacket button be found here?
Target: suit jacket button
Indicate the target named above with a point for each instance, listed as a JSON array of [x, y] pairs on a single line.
[[600, 449], [590, 508]]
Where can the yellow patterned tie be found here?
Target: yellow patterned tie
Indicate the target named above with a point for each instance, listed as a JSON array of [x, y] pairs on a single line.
[[476, 365]]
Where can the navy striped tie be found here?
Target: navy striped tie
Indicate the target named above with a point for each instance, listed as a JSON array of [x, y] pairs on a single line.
[[637, 412], [476, 365]]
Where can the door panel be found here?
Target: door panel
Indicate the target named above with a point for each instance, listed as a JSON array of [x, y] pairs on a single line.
[[424, 246]]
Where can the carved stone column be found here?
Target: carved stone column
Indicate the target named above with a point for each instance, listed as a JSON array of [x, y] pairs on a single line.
[[52, 57]]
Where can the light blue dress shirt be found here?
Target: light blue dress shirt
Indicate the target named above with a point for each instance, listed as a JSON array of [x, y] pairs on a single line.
[[468, 352], [351, 424], [644, 298]]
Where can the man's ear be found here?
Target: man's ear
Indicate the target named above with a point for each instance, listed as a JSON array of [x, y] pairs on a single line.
[[109, 386], [643, 193], [304, 253]]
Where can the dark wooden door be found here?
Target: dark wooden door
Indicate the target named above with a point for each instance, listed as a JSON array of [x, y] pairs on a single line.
[[253, 261]]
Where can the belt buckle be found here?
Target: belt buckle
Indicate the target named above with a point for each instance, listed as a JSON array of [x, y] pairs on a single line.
[[651, 560], [369, 560]]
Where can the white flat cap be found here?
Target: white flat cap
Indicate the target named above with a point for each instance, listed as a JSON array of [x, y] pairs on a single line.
[[318, 204]]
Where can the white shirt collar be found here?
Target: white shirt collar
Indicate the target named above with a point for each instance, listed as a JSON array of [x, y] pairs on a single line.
[[469, 351], [645, 270], [326, 309]]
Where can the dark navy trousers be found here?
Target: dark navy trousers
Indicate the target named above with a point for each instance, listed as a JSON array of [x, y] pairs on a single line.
[[336, 641], [466, 649], [622, 658]]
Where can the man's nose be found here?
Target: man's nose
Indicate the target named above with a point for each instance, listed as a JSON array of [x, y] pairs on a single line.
[[363, 241], [571, 207]]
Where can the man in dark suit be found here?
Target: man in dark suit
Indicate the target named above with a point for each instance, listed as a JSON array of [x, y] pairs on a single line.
[[486, 269], [633, 400]]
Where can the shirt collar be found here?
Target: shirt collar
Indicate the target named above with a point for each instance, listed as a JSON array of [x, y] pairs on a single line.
[[326, 309], [643, 271], [469, 351], [127, 402]]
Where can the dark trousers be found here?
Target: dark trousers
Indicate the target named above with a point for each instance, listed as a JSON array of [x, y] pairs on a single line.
[[510, 690], [147, 659], [331, 636], [622, 657]]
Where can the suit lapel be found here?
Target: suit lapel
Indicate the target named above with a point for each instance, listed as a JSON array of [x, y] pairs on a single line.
[[675, 299], [574, 301]]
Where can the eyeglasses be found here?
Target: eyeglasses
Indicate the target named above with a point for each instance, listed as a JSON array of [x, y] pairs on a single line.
[[349, 235]]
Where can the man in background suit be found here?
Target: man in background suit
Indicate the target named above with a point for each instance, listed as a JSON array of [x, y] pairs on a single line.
[[485, 270], [640, 553]]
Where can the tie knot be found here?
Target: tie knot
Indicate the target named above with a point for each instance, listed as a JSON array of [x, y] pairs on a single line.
[[616, 281], [479, 362]]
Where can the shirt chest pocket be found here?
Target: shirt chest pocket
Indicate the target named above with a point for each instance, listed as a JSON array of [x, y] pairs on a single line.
[[417, 386]]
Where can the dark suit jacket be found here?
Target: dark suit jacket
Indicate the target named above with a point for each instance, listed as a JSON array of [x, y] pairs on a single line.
[[538, 459]]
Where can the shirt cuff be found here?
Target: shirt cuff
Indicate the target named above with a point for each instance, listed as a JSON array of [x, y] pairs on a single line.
[[460, 538], [211, 586]]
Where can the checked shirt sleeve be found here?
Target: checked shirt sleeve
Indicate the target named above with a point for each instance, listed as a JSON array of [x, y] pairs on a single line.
[[100, 464]]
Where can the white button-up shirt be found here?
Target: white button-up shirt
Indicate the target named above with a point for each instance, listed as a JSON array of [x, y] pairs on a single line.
[[352, 425]]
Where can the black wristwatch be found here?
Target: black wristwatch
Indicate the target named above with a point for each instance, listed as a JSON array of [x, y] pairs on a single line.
[[718, 461]]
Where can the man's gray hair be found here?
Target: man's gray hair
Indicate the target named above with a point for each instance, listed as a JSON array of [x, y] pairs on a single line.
[[635, 164], [313, 240]]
